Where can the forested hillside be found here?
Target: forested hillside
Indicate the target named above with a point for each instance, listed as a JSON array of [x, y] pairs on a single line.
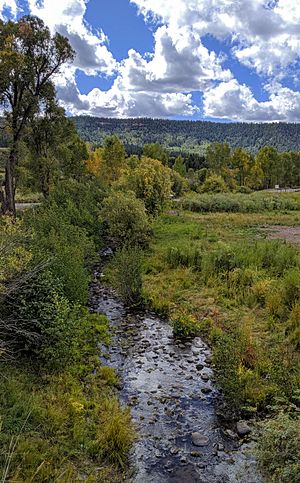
[[189, 136]]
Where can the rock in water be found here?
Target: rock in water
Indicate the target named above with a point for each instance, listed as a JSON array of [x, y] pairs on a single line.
[[199, 439], [242, 429]]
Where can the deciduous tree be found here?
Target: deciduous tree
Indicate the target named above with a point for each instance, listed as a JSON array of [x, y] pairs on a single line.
[[29, 58]]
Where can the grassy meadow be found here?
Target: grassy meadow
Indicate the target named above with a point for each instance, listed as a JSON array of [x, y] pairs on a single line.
[[217, 274]]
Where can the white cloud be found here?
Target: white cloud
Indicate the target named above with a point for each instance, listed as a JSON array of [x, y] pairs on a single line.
[[10, 5], [67, 18], [119, 102], [264, 35], [231, 100]]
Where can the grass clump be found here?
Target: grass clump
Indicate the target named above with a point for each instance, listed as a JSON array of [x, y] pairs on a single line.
[[185, 326], [115, 434], [279, 449], [60, 427], [126, 276]]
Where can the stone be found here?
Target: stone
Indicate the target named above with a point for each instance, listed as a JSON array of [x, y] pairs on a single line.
[[242, 429], [230, 434], [199, 367], [205, 377], [195, 454], [199, 439], [174, 450], [206, 390]]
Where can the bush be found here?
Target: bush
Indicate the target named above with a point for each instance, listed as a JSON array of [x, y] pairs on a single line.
[[151, 182], [239, 203], [66, 247], [79, 203], [279, 449], [185, 326], [125, 219], [42, 324], [214, 184], [127, 275], [179, 184]]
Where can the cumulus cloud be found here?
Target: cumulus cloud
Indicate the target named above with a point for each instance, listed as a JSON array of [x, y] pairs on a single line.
[[231, 100], [67, 18], [119, 102], [264, 35]]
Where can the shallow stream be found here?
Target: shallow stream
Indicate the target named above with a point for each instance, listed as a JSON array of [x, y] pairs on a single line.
[[170, 388]]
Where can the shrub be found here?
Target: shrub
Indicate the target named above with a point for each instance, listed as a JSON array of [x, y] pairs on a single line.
[[177, 257], [279, 449], [115, 434], [79, 203], [151, 182], [125, 219], [179, 184], [239, 203], [66, 247], [127, 275], [185, 326], [42, 323], [214, 184]]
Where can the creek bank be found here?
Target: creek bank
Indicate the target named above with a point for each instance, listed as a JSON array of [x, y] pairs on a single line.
[[169, 386]]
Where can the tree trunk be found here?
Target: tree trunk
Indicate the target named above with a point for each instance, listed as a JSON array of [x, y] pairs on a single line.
[[8, 198]]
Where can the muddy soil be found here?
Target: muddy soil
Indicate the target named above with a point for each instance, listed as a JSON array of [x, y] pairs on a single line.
[[291, 234]]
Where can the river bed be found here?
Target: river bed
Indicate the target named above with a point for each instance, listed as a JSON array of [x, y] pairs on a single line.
[[170, 389]]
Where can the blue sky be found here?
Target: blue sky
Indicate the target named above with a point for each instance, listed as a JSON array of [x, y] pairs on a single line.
[[179, 59]]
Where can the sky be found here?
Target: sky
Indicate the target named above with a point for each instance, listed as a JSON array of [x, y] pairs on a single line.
[[227, 60]]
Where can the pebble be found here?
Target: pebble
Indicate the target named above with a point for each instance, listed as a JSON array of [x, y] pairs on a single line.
[[205, 377], [199, 439], [206, 390], [242, 429]]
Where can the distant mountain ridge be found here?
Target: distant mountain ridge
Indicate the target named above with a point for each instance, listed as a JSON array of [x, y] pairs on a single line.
[[190, 136]]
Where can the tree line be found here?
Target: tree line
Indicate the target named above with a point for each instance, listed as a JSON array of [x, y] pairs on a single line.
[[190, 137]]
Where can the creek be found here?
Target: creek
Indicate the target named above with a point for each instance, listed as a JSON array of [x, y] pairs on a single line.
[[169, 386]]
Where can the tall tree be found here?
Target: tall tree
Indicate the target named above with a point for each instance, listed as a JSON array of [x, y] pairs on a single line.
[[242, 162], [55, 149], [29, 58], [179, 166], [218, 157], [113, 157], [156, 151], [270, 162]]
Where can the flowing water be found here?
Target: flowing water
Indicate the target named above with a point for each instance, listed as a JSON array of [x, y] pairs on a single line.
[[169, 387]]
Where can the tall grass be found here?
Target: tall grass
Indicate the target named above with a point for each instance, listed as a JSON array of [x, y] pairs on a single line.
[[240, 203]]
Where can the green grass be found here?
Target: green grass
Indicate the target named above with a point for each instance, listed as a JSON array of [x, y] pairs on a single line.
[[61, 427], [217, 270], [242, 203]]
